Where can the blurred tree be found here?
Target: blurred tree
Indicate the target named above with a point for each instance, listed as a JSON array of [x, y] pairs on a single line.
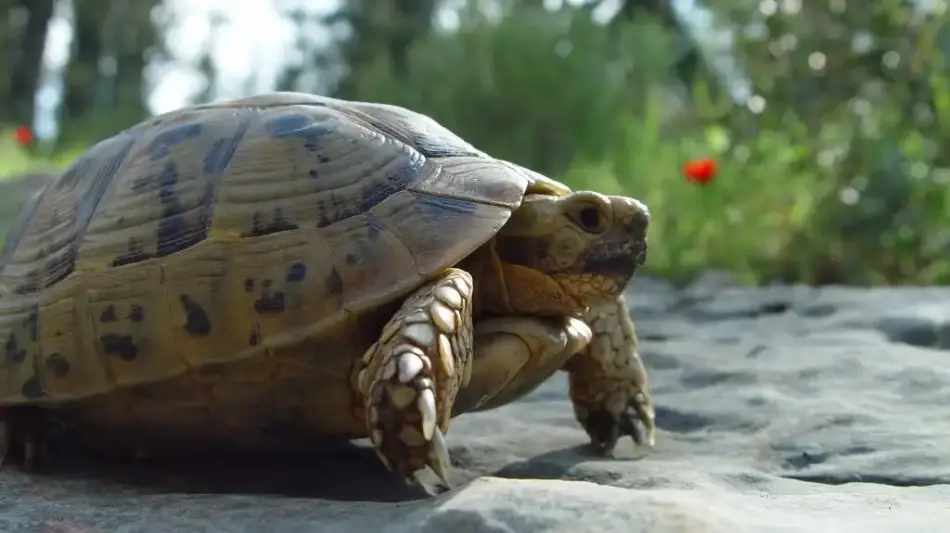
[[24, 37], [82, 77], [206, 64], [864, 83], [105, 80], [534, 86], [690, 65], [378, 28], [290, 77], [134, 41]]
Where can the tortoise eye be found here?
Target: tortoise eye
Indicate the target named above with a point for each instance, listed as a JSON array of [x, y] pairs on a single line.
[[589, 218]]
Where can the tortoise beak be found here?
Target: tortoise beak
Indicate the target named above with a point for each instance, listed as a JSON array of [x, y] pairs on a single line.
[[637, 224]]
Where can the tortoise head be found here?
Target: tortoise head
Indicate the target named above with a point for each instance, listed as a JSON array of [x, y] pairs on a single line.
[[561, 253]]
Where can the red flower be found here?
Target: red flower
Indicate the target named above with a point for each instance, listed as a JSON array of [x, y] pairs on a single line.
[[23, 136], [700, 171]]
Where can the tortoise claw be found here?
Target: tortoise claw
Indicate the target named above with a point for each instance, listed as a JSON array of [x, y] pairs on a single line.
[[605, 428], [439, 461]]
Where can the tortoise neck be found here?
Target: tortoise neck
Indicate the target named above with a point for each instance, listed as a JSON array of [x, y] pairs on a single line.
[[508, 289], [491, 293]]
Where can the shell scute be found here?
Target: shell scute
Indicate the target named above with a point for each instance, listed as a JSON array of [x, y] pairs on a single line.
[[163, 200], [128, 324], [290, 288], [372, 263]]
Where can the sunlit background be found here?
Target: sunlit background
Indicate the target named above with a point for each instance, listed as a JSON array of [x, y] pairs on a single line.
[[250, 41]]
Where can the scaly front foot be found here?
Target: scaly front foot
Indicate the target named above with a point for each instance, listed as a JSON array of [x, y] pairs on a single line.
[[413, 372], [608, 383]]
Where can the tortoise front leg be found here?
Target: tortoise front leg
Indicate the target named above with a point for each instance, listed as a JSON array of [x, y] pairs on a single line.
[[608, 383], [413, 372]]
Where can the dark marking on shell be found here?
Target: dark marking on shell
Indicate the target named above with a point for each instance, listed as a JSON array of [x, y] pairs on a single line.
[[14, 354], [136, 313], [33, 388], [277, 224], [87, 205], [249, 285], [196, 319], [375, 191], [108, 314], [437, 206], [296, 272], [430, 147], [57, 364], [174, 231], [336, 208], [270, 302], [134, 254], [31, 285], [32, 322], [181, 226], [219, 157], [54, 270], [313, 173], [121, 346], [60, 266], [255, 336], [350, 259], [304, 127], [427, 144], [333, 285], [163, 142]]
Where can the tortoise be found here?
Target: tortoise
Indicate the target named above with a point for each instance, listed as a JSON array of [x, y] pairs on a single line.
[[268, 272]]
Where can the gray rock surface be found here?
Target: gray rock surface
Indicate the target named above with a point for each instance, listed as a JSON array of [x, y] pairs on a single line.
[[782, 409]]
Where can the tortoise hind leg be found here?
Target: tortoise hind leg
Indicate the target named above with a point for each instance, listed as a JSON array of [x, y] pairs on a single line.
[[413, 372], [4, 435], [608, 383], [23, 432]]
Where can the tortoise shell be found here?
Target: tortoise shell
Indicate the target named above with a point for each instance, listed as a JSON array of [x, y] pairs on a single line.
[[215, 232]]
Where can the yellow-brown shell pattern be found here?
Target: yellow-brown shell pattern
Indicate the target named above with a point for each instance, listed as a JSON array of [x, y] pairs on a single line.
[[209, 234]]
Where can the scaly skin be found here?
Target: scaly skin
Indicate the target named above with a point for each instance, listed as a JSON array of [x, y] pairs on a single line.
[[608, 383], [413, 373]]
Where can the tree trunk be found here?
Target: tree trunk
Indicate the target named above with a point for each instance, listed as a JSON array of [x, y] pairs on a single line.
[[27, 60], [81, 82]]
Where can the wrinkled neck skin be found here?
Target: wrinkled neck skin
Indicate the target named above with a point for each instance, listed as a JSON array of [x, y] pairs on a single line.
[[506, 289]]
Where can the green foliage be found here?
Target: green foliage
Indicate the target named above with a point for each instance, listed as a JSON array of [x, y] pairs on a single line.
[[536, 88]]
